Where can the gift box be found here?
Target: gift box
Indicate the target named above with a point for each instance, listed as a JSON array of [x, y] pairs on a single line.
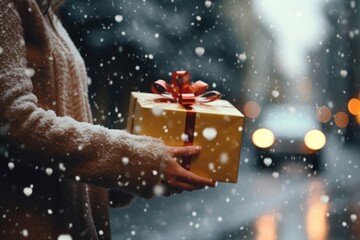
[[181, 114]]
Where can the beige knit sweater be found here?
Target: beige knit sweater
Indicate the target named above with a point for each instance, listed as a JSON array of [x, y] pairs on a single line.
[[56, 167]]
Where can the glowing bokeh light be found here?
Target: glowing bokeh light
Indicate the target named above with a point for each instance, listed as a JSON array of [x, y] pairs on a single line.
[[252, 109], [323, 114], [263, 138], [354, 106], [315, 139], [341, 119]]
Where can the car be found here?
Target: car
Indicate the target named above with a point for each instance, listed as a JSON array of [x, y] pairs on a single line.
[[286, 132]]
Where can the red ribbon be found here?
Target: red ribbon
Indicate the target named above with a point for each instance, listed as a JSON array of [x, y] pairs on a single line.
[[182, 91]]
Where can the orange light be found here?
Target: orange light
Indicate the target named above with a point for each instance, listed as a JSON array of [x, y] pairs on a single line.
[[323, 114], [315, 139], [263, 138], [354, 106], [252, 109], [266, 227], [316, 220], [341, 119]]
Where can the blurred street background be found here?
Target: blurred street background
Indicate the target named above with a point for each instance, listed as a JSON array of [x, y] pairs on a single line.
[[258, 54]]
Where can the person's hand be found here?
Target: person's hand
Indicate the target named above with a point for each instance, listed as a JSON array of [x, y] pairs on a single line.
[[176, 178]]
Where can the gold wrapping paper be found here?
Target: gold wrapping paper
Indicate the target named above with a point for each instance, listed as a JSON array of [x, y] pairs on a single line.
[[218, 129]]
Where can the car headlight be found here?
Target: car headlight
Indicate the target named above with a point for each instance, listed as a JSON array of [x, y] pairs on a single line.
[[315, 139], [263, 138]]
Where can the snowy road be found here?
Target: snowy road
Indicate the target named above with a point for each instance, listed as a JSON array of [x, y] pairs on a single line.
[[261, 206]]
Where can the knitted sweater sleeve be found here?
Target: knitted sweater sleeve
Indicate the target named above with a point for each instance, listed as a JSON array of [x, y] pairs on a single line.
[[85, 152]]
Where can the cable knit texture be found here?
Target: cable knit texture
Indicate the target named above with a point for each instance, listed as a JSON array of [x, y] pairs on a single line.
[[56, 167]]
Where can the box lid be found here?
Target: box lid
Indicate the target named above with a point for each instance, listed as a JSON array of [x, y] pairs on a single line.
[[154, 101]]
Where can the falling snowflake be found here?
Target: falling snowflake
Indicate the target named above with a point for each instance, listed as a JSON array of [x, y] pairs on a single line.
[[64, 237], [267, 161], [119, 18], [353, 217], [28, 191], [25, 232], [125, 160], [275, 93], [208, 3], [157, 111], [324, 199], [30, 72], [275, 175], [242, 57], [62, 167], [184, 137], [49, 171], [211, 166], [209, 133], [343, 73], [200, 51], [11, 165], [159, 190], [224, 157]]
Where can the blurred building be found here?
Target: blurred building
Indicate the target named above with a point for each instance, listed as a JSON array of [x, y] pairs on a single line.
[[257, 58], [335, 68]]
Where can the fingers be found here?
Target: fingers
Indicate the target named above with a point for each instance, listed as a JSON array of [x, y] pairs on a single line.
[[183, 151], [193, 179], [176, 178], [184, 175]]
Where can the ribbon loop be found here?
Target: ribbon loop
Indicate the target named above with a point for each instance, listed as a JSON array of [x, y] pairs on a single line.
[[199, 87], [208, 97], [182, 91], [164, 89]]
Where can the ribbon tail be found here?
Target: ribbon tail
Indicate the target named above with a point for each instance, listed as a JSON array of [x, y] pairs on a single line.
[[189, 131]]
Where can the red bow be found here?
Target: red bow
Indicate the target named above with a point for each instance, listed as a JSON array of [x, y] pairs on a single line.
[[182, 91]]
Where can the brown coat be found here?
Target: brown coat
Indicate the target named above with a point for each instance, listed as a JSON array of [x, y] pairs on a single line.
[[55, 167]]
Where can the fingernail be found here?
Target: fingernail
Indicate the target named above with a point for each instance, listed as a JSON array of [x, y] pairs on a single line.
[[198, 147]]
